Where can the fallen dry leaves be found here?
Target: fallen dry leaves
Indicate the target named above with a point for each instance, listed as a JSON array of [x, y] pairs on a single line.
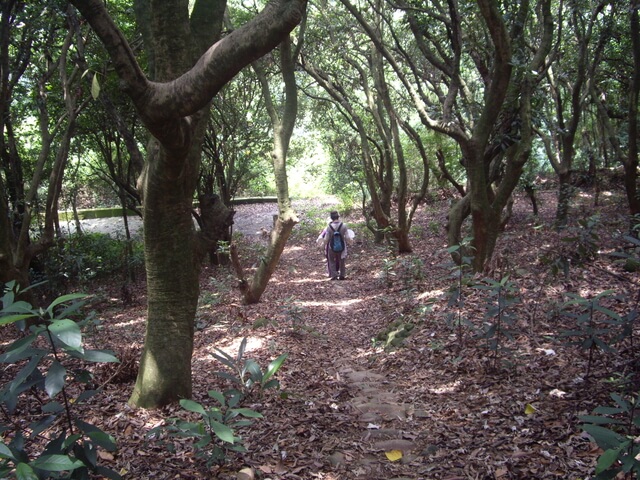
[[463, 415]]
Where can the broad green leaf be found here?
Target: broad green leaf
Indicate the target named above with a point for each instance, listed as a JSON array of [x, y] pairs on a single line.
[[624, 405], [607, 312], [98, 356], [223, 432], [25, 472], [18, 307], [600, 420], [68, 332], [218, 396], [56, 463], [192, 406], [253, 369], [95, 87], [63, 299], [247, 412], [103, 439], [5, 320], [25, 372], [225, 359], [55, 380], [605, 293], [14, 350], [274, 366], [5, 452], [203, 442], [605, 438], [241, 350], [607, 459]]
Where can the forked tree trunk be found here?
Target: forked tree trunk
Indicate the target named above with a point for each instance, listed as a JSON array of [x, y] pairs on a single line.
[[172, 107]]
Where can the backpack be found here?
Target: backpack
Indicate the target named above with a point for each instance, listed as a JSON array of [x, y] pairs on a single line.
[[336, 242]]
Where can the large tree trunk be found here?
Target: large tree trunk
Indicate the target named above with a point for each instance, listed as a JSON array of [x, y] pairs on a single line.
[[172, 285]]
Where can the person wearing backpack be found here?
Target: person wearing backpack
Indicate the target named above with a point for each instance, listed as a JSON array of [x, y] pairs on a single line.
[[335, 242]]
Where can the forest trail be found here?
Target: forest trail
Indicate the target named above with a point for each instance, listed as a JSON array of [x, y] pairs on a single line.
[[454, 409]]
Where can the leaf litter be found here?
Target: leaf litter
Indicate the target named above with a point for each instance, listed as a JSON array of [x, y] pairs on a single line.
[[438, 406]]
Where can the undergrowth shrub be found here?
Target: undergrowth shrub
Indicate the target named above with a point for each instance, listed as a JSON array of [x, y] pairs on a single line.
[[576, 245], [597, 328], [216, 433], [616, 430], [45, 363], [79, 259], [499, 322]]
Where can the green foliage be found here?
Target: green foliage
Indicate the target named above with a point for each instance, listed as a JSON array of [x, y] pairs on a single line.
[[579, 245], [629, 255], [312, 221], [461, 272], [216, 433], [499, 320], [616, 429], [44, 369], [394, 335], [293, 313], [597, 328], [82, 258], [246, 375], [388, 272]]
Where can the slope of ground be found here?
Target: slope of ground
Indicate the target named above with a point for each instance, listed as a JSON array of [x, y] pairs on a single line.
[[453, 404]]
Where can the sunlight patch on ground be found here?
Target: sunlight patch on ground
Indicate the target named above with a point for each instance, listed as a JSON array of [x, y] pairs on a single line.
[[446, 388], [431, 294], [309, 280], [331, 303], [128, 323], [232, 347]]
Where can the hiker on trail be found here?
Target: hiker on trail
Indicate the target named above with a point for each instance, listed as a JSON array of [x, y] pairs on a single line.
[[334, 238]]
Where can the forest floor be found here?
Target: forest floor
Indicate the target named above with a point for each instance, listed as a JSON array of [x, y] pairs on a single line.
[[450, 403]]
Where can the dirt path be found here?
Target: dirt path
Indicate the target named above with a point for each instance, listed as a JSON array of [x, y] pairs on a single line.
[[437, 408]]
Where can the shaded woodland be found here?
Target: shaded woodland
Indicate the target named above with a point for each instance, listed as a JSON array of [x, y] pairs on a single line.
[[484, 152]]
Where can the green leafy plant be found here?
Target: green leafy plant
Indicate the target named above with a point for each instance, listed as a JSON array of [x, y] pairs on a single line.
[[460, 272], [216, 434], [579, 245], [616, 430], [83, 258], [499, 319], [293, 313], [44, 357], [394, 335], [597, 328], [629, 254], [246, 375]]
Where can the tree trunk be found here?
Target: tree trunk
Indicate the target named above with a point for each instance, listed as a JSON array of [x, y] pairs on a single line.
[[565, 193], [282, 132], [172, 283]]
